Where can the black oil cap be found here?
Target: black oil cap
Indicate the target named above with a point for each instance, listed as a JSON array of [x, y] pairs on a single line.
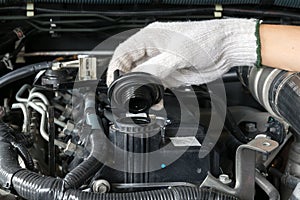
[[135, 92]]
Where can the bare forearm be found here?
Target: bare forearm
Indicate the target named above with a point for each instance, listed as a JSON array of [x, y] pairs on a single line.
[[280, 46]]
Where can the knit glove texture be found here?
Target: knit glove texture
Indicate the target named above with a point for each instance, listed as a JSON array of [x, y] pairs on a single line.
[[188, 53]]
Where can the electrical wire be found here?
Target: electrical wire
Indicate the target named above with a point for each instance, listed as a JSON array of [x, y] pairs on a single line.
[[52, 15], [164, 12]]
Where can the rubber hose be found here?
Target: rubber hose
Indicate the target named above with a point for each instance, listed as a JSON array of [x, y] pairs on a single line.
[[286, 179], [25, 140], [91, 165], [235, 130], [33, 186], [7, 133], [25, 155], [23, 73], [18, 142], [175, 193], [8, 163], [82, 173], [232, 145]]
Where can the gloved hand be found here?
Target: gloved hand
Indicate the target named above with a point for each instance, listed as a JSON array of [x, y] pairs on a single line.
[[185, 53]]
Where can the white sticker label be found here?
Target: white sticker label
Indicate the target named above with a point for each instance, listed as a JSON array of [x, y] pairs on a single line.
[[185, 142]]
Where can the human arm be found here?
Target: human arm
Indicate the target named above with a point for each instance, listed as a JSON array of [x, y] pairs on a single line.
[[200, 52], [280, 46]]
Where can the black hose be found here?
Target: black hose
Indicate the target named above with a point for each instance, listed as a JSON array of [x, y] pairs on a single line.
[[7, 134], [33, 186], [8, 163], [88, 168], [8, 42], [25, 140], [24, 154], [82, 173], [175, 193], [23, 73], [233, 127], [232, 145], [30, 185], [286, 179]]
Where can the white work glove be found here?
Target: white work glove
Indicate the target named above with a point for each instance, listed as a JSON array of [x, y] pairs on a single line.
[[188, 53]]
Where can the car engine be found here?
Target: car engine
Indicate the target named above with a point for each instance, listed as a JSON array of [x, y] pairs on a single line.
[[66, 135]]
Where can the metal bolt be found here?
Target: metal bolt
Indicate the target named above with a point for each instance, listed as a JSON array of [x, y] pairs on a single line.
[[250, 127], [272, 129], [224, 178], [101, 186], [199, 170]]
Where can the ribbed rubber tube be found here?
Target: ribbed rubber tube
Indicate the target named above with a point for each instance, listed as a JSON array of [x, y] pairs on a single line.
[[82, 173], [33, 186], [90, 166], [24, 154], [176, 193], [7, 134]]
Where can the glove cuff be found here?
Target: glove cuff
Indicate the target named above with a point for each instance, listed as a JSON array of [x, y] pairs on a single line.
[[258, 43], [241, 43]]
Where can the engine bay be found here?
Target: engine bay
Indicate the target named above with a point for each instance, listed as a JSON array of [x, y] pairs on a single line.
[[65, 134]]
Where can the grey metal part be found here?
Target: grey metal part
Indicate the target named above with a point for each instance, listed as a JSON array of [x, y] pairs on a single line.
[[296, 193], [4, 195], [245, 169], [277, 150], [269, 189]]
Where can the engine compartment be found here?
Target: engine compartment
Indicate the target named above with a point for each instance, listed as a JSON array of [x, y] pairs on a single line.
[[64, 134]]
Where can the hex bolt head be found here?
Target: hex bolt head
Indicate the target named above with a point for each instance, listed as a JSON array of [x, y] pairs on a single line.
[[250, 127], [224, 178], [101, 186]]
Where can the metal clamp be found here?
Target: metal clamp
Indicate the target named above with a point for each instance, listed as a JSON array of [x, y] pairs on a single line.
[[244, 169]]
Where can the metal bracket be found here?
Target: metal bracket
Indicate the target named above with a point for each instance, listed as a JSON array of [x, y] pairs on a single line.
[[244, 169], [218, 11], [30, 9]]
